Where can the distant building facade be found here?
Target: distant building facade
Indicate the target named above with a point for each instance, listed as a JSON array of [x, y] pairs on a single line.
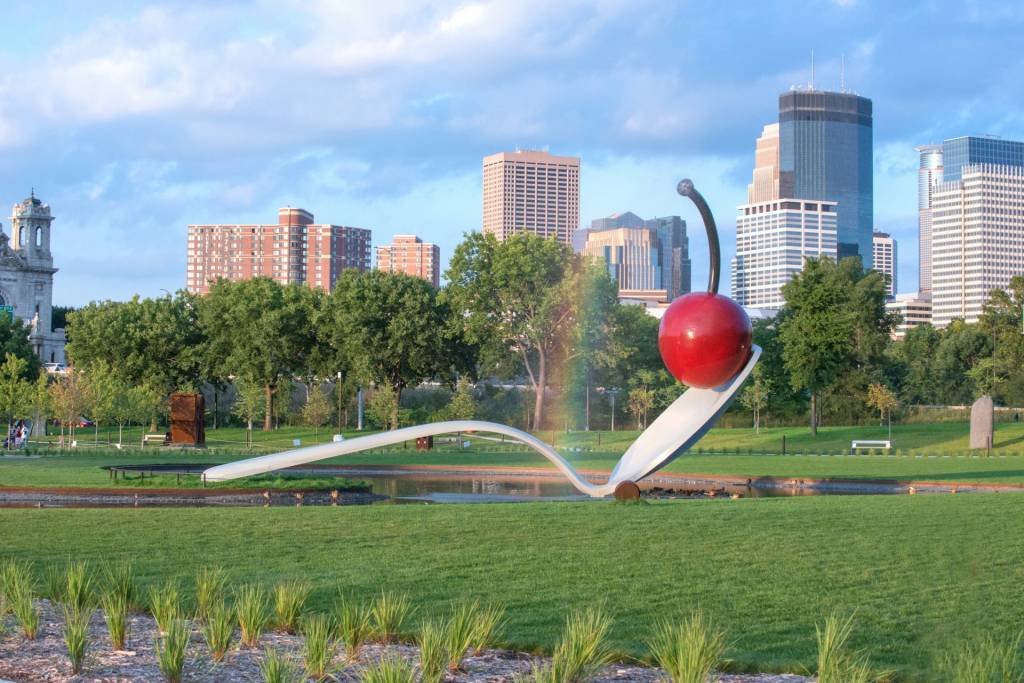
[[914, 309], [293, 250], [929, 174], [776, 233], [410, 255], [531, 191], [773, 241], [977, 238], [884, 258], [648, 259], [826, 153], [26, 276]]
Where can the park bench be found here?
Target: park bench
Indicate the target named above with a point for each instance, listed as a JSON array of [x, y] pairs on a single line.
[[160, 439], [869, 444]]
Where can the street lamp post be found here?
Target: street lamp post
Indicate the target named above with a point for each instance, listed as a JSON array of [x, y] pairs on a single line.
[[337, 390]]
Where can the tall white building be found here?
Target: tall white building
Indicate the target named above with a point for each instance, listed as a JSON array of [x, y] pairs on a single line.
[[977, 238], [773, 240], [913, 309], [775, 235], [531, 191], [884, 260], [929, 174]]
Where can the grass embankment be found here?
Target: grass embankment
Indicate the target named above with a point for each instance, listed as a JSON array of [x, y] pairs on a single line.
[[927, 452], [923, 573]]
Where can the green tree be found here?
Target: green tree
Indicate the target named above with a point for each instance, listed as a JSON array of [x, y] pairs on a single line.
[[642, 396], [882, 399], [40, 400], [157, 342], [317, 410], [68, 398], [102, 394], [835, 326], [393, 330], [129, 404], [516, 295], [15, 392], [755, 396], [14, 339], [463, 404], [260, 331], [916, 356], [249, 405], [382, 408], [961, 348]]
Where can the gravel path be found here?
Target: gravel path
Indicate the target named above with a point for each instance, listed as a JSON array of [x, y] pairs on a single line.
[[44, 659]]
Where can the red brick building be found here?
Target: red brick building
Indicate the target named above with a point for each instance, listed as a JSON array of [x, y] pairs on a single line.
[[408, 254], [295, 249]]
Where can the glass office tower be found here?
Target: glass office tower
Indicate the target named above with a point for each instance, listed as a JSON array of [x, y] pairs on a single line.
[[825, 153], [960, 152]]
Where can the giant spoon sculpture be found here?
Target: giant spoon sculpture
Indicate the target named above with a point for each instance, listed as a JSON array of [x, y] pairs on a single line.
[[705, 342]]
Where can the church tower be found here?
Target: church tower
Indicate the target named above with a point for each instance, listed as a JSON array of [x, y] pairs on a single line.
[[30, 231]]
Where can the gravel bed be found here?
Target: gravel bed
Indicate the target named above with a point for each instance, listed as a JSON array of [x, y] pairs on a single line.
[[45, 660]]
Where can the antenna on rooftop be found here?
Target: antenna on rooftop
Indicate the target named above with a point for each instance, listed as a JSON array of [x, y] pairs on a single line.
[[812, 69], [842, 74]]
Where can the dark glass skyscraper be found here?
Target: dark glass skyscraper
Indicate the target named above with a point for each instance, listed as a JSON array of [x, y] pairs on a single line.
[[825, 152], [960, 152]]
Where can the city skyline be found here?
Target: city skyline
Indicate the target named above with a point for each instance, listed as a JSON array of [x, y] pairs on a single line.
[[139, 122]]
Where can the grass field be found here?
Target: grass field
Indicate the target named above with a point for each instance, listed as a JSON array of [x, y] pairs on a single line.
[[82, 467], [922, 573], [942, 437]]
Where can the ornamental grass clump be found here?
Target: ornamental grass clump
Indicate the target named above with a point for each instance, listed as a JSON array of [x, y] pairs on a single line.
[[211, 586], [165, 604], [354, 625], [251, 608], [276, 668], [388, 613], [583, 649], [119, 579], [115, 614], [985, 661], [19, 587], [487, 622], [836, 662], [218, 628], [170, 647], [76, 636], [78, 587], [390, 669], [689, 650], [54, 582], [289, 601], [320, 646], [458, 631], [433, 652]]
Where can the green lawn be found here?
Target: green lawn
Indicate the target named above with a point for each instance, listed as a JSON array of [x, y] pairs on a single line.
[[922, 573], [941, 458]]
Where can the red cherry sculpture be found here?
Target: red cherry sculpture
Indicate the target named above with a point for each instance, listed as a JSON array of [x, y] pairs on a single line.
[[704, 337]]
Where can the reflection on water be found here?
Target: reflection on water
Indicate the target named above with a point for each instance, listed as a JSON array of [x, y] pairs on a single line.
[[466, 488]]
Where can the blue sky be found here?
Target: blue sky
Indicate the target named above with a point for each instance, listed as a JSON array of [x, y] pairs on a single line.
[[135, 120]]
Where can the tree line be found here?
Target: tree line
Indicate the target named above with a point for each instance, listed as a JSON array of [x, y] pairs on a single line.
[[526, 313]]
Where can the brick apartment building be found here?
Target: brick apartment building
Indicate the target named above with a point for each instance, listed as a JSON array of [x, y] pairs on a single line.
[[410, 255], [295, 249]]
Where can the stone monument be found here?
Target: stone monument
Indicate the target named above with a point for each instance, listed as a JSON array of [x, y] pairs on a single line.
[[981, 422]]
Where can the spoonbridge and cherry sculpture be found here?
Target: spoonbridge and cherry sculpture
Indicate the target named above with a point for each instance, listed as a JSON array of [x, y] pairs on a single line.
[[705, 342]]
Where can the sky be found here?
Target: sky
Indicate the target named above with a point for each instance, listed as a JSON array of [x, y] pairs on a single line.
[[134, 120]]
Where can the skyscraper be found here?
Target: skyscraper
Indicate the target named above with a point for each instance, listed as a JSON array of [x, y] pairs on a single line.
[[977, 238], [643, 255], [884, 258], [957, 153], [295, 249], [775, 233], [825, 153], [410, 255], [531, 192], [928, 174]]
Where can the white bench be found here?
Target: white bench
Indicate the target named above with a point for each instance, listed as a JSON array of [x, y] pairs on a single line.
[[869, 444], [153, 438]]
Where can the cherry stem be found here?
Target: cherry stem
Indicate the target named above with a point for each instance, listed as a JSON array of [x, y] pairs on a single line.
[[686, 188]]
